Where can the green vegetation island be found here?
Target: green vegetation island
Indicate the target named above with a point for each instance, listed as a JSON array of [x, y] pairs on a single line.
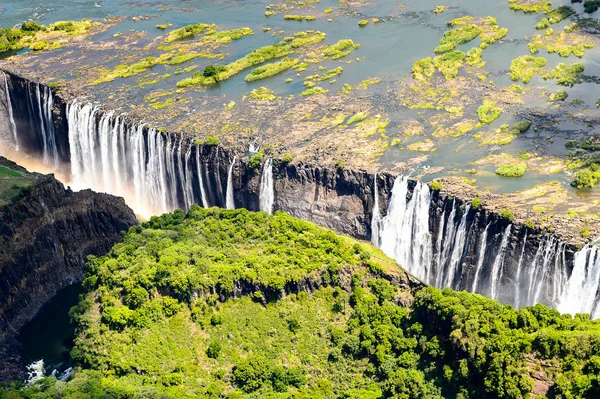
[[234, 304]]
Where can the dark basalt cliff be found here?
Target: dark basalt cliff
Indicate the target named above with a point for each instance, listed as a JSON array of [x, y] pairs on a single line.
[[45, 237]]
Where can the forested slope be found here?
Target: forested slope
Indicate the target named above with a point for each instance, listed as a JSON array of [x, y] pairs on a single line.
[[237, 304]]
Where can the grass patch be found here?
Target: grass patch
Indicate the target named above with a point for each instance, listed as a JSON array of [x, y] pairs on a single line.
[[340, 49], [460, 35], [560, 95], [187, 31], [530, 6], [565, 75], [290, 17], [358, 117], [488, 112], [559, 14], [38, 37], [449, 63], [256, 57], [263, 94], [474, 58], [331, 73], [514, 170], [271, 69], [526, 67], [313, 90]]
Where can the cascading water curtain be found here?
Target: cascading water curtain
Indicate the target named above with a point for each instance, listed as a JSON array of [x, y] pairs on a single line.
[[230, 200], [11, 117], [404, 234], [152, 170], [267, 193]]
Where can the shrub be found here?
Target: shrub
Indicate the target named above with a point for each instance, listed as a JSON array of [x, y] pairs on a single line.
[[530, 224], [250, 374], [507, 215], [586, 178], [363, 22], [560, 95], [213, 350], [287, 159], [213, 70], [255, 160], [521, 127], [585, 232], [591, 6], [32, 26], [516, 170], [293, 325], [435, 186], [476, 203], [211, 140]]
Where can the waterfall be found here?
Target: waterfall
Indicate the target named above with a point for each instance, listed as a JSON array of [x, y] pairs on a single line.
[[581, 291], [405, 230], [458, 249], [10, 112], [518, 275], [480, 257], [199, 172], [498, 264], [151, 169], [447, 237], [230, 200], [267, 194], [45, 103], [189, 189], [538, 269], [376, 218]]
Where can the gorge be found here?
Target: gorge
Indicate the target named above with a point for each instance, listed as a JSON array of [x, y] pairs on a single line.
[[440, 239]]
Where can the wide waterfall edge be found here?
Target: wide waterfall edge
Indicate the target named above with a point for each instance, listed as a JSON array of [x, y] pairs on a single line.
[[340, 174]]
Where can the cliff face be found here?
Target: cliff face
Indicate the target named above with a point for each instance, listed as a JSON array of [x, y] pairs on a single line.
[[45, 238], [438, 237]]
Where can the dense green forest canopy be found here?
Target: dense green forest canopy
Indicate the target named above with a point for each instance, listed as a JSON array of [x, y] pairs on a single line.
[[235, 304]]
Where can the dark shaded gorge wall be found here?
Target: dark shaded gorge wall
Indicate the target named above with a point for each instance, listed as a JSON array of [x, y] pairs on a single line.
[[514, 264], [45, 237]]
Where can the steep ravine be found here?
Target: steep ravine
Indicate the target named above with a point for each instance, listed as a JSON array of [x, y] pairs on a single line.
[[440, 239], [45, 237]]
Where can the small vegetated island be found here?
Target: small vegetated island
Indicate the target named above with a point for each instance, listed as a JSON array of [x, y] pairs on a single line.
[[235, 304]]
